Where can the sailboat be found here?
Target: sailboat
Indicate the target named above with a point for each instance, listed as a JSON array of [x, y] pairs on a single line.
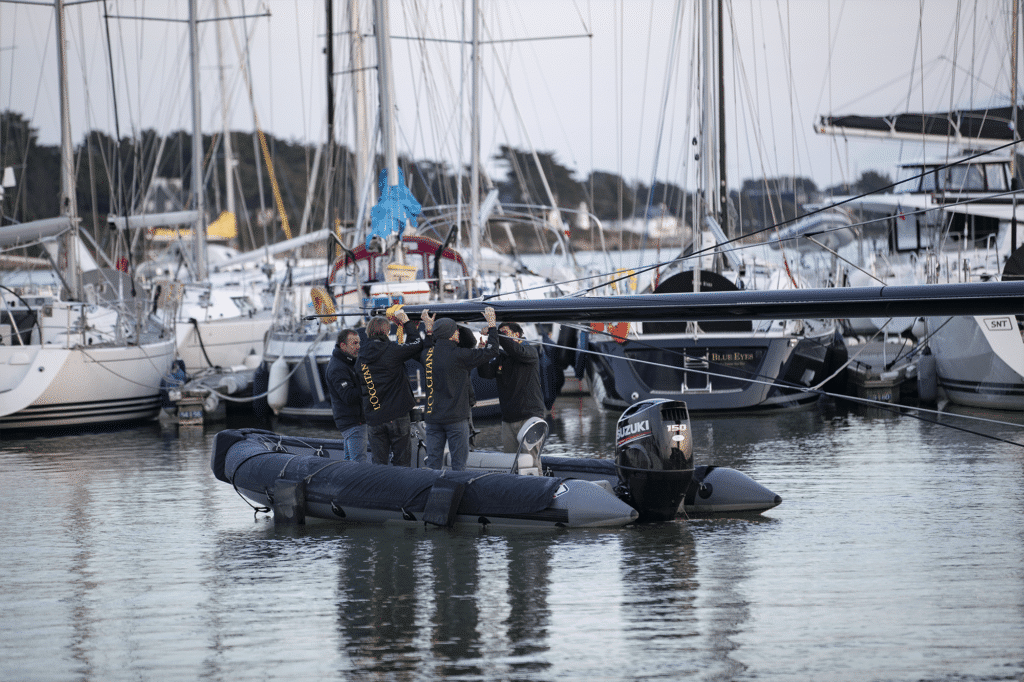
[[712, 365], [402, 264], [955, 217], [84, 350], [221, 317]]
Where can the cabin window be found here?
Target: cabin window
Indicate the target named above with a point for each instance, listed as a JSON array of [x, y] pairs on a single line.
[[906, 184], [961, 178], [995, 177], [929, 183], [905, 233]]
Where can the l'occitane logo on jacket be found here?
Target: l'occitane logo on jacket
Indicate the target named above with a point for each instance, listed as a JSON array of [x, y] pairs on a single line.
[[429, 365], [371, 389]]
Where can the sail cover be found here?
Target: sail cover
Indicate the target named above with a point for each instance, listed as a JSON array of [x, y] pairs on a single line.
[[991, 125]]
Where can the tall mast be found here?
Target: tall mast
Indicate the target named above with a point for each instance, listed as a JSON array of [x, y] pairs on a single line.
[[474, 144], [362, 134], [199, 230], [67, 256], [722, 191], [1013, 118], [331, 203], [709, 179], [229, 180], [386, 92]]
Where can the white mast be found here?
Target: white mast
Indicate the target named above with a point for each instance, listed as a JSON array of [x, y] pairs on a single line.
[[229, 179], [474, 144], [386, 92], [67, 256], [362, 134], [199, 231]]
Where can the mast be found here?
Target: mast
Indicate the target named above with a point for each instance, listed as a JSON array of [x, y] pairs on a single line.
[[199, 230], [1014, 119], [709, 181], [474, 144], [229, 180], [386, 93], [362, 141], [723, 192], [67, 257], [330, 200]]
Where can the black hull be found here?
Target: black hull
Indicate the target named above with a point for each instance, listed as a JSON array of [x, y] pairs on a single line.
[[261, 465], [711, 373]]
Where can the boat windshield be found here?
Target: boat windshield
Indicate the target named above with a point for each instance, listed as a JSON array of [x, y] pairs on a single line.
[[960, 178]]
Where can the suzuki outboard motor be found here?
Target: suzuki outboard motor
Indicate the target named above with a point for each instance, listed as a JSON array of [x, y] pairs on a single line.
[[654, 457]]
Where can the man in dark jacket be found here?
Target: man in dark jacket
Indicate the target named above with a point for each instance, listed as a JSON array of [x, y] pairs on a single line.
[[345, 389], [387, 396], [517, 371], [447, 409]]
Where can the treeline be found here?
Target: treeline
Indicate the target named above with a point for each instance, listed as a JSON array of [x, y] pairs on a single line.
[[118, 177]]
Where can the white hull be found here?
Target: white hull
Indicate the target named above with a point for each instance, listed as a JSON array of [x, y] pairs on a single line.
[[51, 387], [979, 361], [221, 342]]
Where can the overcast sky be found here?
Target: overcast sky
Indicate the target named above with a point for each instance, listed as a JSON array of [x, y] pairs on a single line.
[[596, 102]]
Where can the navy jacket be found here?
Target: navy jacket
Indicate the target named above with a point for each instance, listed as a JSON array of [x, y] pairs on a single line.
[[345, 390], [517, 371], [447, 368], [387, 394]]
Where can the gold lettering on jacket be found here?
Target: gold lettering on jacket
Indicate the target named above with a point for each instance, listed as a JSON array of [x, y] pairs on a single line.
[[429, 365], [371, 389]]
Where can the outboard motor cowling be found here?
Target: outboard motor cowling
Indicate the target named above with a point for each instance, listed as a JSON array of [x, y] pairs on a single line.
[[654, 457]]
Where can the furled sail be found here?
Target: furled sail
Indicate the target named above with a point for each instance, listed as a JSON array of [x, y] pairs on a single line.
[[967, 127]]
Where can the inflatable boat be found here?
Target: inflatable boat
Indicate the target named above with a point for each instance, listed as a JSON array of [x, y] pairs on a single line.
[[650, 480]]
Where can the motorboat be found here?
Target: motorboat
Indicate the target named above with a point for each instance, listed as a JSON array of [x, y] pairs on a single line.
[[300, 478]]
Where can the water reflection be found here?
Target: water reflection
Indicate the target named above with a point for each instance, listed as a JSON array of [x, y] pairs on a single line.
[[896, 554], [529, 572], [378, 601]]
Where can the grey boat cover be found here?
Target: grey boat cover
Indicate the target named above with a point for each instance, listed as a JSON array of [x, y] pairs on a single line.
[[599, 467], [251, 459]]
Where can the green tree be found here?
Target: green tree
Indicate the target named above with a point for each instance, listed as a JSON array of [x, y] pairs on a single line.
[[610, 196], [523, 182], [36, 194]]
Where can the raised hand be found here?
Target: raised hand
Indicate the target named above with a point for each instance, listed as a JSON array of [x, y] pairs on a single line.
[[490, 316], [428, 320]]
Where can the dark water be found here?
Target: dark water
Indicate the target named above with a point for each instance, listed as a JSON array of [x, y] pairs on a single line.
[[897, 554]]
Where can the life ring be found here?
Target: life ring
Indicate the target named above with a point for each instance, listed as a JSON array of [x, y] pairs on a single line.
[[323, 304]]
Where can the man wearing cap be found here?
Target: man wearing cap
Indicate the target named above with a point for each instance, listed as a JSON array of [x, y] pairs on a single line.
[[387, 396], [447, 409], [517, 371]]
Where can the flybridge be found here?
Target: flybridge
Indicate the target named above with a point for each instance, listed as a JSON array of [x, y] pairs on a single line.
[[928, 300]]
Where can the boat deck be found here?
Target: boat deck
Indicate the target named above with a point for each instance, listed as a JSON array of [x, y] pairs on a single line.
[[885, 371]]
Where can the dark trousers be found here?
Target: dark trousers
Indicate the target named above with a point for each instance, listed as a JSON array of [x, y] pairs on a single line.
[[390, 442]]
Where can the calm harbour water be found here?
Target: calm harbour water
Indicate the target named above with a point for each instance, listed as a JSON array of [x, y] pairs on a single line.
[[897, 554]]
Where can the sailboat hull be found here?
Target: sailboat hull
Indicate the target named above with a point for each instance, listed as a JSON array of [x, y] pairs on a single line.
[[83, 386], [979, 361], [221, 343]]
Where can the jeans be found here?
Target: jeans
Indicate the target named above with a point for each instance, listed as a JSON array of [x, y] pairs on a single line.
[[391, 437], [456, 435], [355, 443]]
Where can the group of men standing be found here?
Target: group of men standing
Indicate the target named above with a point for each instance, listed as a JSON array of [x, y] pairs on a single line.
[[372, 399]]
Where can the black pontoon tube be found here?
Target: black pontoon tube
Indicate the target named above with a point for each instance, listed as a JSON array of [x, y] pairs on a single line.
[[926, 300]]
